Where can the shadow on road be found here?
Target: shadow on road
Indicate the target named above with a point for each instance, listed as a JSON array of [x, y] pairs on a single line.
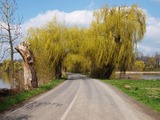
[[76, 76]]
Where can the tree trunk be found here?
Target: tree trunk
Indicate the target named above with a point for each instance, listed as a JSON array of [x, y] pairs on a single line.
[[108, 71], [12, 51], [12, 61], [30, 76], [58, 70], [104, 73]]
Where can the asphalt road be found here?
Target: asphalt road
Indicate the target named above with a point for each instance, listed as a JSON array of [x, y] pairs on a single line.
[[80, 98]]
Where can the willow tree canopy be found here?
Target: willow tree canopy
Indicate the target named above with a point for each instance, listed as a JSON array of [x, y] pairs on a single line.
[[115, 32]]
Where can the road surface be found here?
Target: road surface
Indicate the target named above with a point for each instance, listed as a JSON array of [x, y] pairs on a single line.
[[80, 98]]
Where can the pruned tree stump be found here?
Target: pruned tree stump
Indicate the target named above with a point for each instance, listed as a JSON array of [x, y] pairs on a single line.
[[30, 76]]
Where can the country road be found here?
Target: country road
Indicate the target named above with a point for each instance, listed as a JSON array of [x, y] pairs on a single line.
[[81, 98]]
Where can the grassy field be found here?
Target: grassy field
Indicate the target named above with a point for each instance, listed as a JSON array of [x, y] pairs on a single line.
[[145, 91], [7, 102]]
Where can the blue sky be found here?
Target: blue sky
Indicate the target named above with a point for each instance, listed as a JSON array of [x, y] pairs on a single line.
[[31, 8], [79, 12]]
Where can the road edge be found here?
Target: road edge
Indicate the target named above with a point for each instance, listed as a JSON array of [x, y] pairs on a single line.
[[140, 106]]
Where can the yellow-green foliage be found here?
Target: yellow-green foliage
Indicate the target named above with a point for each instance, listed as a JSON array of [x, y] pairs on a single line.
[[49, 46], [108, 43], [6, 66], [151, 62], [116, 32], [77, 63], [139, 65], [17, 66]]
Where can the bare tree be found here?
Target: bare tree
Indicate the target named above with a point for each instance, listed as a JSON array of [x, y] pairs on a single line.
[[10, 29]]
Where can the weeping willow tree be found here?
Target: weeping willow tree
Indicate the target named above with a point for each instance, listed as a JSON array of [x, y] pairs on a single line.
[[107, 45], [50, 46], [115, 33], [38, 39], [76, 61], [57, 45]]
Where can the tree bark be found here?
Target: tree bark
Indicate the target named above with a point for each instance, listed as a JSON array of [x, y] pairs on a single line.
[[58, 70], [59, 66], [104, 73], [12, 52], [30, 75]]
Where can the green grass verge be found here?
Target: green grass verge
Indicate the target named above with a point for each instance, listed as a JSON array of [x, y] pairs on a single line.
[[145, 91], [9, 101]]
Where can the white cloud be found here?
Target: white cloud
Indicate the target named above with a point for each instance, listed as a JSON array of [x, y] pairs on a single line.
[[81, 18], [76, 18], [151, 42], [149, 45]]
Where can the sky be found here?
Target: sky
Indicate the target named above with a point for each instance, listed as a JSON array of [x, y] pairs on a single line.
[[80, 12]]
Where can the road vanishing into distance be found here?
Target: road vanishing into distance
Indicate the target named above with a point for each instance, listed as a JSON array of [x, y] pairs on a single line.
[[81, 98]]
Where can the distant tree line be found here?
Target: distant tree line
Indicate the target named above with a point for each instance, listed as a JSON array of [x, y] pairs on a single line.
[[148, 63], [5, 66]]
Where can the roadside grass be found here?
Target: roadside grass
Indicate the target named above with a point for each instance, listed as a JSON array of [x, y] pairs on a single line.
[[145, 91], [9, 101]]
